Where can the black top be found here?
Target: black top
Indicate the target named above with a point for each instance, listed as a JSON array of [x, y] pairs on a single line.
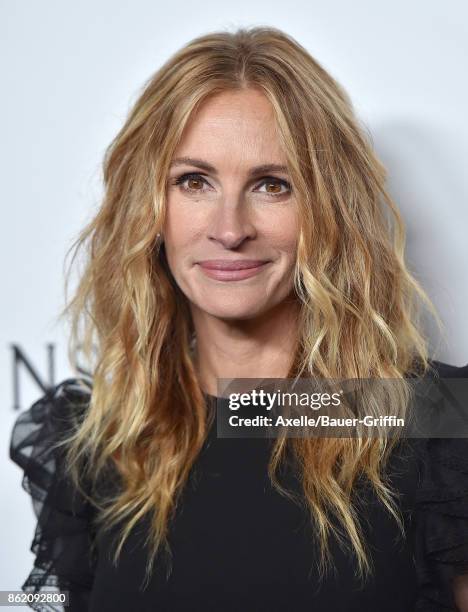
[[237, 544]]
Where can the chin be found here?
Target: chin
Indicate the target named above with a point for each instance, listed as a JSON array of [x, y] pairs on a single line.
[[228, 310]]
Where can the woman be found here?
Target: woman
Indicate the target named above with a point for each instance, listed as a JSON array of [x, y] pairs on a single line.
[[245, 232]]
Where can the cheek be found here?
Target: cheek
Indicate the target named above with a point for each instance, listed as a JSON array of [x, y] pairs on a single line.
[[181, 229], [282, 234]]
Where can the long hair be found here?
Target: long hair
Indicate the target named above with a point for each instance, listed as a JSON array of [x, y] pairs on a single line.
[[360, 307]]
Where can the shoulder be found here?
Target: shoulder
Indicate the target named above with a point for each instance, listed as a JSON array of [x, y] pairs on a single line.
[[71, 394], [64, 534], [441, 512], [447, 370], [38, 429]]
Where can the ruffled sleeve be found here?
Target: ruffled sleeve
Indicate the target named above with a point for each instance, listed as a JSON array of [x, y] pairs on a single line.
[[441, 513], [64, 535]]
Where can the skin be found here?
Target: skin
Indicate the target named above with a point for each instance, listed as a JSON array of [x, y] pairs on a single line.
[[244, 328], [460, 589]]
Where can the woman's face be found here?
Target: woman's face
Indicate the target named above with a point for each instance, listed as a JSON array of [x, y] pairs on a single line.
[[231, 227]]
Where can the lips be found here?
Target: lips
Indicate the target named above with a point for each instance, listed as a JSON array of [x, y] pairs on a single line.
[[236, 264], [232, 270]]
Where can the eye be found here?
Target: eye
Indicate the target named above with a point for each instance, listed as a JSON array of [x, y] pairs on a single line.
[[192, 179], [276, 184]]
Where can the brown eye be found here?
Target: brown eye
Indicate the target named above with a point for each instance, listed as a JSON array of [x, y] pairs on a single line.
[[194, 183], [273, 187], [276, 187], [191, 182]]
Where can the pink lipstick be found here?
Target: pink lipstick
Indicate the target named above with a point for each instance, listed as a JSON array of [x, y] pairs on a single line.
[[232, 269]]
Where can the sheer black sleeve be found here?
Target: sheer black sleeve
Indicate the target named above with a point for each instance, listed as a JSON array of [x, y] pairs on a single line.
[[441, 536], [63, 537]]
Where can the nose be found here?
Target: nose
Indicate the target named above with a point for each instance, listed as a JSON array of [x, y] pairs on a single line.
[[231, 224]]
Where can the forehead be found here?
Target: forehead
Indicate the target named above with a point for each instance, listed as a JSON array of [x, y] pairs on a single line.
[[233, 125]]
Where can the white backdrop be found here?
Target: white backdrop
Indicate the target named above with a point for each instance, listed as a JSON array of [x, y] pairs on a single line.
[[70, 72]]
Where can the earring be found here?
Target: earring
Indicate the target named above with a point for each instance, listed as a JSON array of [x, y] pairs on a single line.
[[158, 242]]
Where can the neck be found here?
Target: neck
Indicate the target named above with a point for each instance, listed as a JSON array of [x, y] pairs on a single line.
[[254, 348]]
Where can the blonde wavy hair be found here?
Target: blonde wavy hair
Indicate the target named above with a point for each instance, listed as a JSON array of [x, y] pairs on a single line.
[[360, 306]]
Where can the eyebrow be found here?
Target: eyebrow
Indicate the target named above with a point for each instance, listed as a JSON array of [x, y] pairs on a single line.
[[204, 165]]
